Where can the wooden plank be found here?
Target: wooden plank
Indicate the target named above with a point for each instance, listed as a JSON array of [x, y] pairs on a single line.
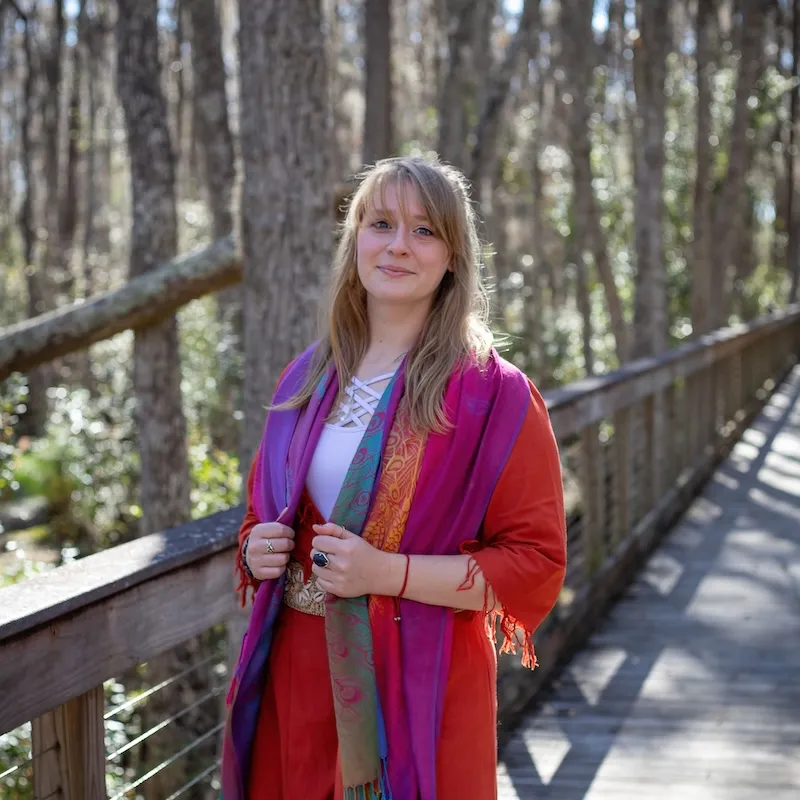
[[51, 664], [49, 596], [72, 735]]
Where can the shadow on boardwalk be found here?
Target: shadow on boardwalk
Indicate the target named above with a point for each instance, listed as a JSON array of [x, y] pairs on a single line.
[[690, 689]]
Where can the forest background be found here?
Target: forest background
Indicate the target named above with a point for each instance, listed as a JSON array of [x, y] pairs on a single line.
[[634, 162]]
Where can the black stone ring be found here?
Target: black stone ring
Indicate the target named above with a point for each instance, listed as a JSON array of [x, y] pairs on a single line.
[[320, 559]]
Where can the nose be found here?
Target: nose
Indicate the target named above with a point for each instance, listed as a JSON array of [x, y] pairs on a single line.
[[399, 244]]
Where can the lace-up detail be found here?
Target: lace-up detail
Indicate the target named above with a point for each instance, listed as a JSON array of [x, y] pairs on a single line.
[[362, 400]]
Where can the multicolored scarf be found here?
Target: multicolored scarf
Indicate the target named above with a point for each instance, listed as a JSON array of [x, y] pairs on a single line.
[[456, 478]]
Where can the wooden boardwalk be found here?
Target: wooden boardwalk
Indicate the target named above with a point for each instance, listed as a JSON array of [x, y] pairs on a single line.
[[690, 689]]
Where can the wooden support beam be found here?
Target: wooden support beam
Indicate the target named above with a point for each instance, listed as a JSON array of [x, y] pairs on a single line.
[[140, 303], [69, 749]]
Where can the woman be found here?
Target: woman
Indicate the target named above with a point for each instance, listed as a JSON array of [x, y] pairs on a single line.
[[406, 495]]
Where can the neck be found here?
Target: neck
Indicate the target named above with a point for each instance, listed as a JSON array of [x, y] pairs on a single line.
[[393, 330]]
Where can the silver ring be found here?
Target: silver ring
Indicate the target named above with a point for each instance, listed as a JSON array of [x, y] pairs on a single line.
[[320, 559], [270, 548]]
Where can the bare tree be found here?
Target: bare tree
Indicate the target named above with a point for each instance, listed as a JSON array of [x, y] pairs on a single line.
[[287, 219], [791, 156], [212, 126], [752, 19], [378, 99], [457, 20], [700, 265], [156, 359], [520, 49], [651, 325], [578, 58]]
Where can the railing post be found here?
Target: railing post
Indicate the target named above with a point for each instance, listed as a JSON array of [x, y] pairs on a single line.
[[69, 749], [621, 444], [592, 474]]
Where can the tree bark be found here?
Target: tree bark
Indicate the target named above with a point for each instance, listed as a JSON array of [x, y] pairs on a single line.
[[164, 477], [35, 418], [211, 122], [793, 225], [522, 46], [458, 22], [287, 220], [578, 49], [377, 142], [651, 323], [729, 208], [701, 253]]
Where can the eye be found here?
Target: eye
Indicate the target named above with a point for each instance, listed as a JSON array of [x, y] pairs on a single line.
[[425, 231], [381, 224]]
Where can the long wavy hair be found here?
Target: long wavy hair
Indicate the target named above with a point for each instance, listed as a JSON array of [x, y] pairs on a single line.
[[456, 331]]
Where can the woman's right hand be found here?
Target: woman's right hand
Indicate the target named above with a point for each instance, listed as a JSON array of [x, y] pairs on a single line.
[[268, 549]]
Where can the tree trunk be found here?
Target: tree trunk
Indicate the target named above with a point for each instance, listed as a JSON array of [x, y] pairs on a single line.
[[485, 135], [651, 323], [216, 141], [452, 99], [35, 418], [701, 252], [792, 221], [156, 358], [732, 194], [377, 141], [287, 220], [578, 52], [55, 270]]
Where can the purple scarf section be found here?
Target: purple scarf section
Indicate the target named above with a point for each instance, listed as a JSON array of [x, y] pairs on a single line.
[[458, 474]]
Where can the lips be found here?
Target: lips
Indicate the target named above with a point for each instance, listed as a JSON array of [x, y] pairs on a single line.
[[394, 271]]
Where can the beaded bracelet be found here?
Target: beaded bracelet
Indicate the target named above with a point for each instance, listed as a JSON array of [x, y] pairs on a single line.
[[247, 570]]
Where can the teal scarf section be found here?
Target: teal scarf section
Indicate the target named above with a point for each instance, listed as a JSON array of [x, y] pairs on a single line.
[[360, 726]]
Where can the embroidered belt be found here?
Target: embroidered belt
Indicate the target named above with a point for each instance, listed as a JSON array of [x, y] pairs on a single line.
[[308, 597], [305, 597]]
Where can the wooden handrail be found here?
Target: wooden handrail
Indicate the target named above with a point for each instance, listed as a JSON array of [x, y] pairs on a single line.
[[140, 303], [589, 400]]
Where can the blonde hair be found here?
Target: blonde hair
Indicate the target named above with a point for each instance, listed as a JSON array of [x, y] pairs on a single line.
[[456, 331]]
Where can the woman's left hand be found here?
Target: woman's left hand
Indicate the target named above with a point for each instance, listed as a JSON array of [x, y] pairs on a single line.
[[355, 567]]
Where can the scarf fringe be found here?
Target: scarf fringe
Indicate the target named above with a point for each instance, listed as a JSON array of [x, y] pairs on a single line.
[[514, 634], [374, 790], [244, 584]]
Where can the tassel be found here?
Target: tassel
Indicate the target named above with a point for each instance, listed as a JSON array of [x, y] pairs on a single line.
[[510, 629]]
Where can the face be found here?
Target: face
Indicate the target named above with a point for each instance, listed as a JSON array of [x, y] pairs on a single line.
[[400, 259]]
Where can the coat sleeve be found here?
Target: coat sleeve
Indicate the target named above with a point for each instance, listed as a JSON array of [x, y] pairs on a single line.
[[522, 549], [243, 581]]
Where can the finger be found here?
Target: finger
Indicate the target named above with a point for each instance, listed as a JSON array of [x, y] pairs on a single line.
[[270, 560], [282, 545], [271, 530], [268, 573], [323, 578], [331, 529], [327, 544]]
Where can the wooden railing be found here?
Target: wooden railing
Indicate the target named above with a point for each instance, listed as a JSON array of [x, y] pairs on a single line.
[[637, 444]]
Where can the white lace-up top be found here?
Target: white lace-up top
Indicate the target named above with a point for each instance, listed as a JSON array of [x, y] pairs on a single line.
[[339, 441]]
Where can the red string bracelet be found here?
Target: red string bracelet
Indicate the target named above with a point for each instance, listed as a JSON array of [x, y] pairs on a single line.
[[405, 580]]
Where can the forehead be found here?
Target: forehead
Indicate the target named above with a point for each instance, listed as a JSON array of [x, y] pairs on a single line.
[[397, 196]]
